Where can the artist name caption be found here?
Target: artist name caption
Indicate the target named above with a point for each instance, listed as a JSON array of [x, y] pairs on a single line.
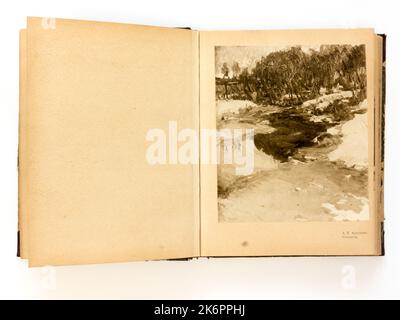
[[237, 310]]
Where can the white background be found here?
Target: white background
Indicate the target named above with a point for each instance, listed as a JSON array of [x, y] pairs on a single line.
[[256, 278]]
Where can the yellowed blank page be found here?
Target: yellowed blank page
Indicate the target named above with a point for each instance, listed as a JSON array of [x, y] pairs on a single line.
[[93, 91], [22, 156]]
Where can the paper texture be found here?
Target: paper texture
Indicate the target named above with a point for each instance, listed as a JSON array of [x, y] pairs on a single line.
[[94, 91], [23, 159], [90, 92], [301, 236]]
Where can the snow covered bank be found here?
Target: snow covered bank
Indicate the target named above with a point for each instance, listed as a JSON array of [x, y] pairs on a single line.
[[233, 106], [353, 151], [349, 215], [324, 101]]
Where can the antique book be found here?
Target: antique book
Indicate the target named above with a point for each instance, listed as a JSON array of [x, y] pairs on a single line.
[[150, 143]]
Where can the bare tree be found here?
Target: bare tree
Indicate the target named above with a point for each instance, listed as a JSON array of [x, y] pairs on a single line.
[[236, 69]]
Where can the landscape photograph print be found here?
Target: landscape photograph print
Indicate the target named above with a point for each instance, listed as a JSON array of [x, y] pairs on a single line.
[[308, 108]]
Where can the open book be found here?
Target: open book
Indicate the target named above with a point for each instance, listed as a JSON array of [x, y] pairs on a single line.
[[147, 143]]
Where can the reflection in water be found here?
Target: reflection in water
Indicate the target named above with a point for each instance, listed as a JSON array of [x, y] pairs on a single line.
[[305, 166]]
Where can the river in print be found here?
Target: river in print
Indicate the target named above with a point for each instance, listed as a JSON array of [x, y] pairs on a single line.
[[308, 108]]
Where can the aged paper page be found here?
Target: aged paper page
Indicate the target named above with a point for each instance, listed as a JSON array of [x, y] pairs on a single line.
[[311, 189], [22, 156], [94, 90], [379, 137]]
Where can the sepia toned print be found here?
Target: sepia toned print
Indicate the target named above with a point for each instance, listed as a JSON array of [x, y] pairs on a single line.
[[308, 109]]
